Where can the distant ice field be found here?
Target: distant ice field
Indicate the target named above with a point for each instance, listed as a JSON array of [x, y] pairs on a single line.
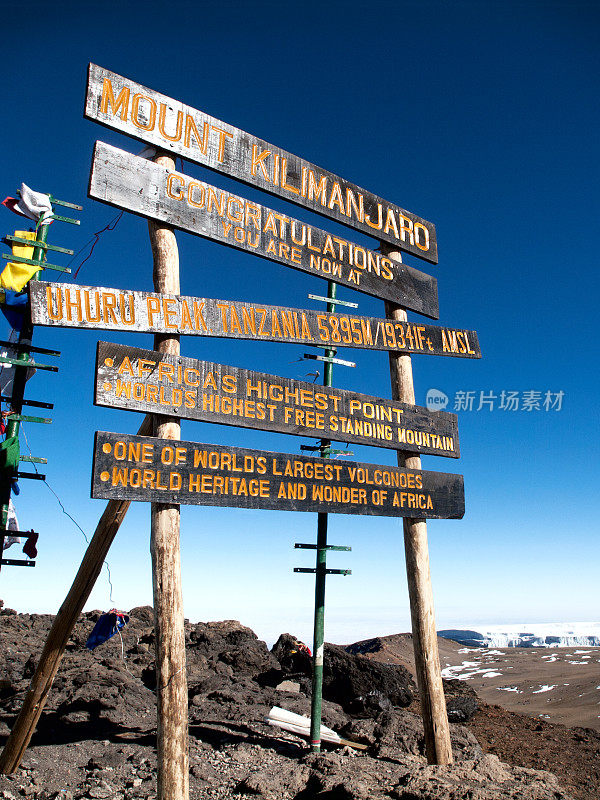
[[547, 634]]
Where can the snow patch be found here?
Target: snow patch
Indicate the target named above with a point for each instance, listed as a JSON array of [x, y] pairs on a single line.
[[467, 670], [545, 688]]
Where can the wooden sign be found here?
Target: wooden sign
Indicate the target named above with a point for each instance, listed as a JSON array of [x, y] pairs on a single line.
[[165, 471], [65, 305], [145, 188], [155, 383], [130, 108]]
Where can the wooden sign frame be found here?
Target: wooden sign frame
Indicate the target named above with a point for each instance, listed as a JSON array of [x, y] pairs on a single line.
[[147, 469], [134, 379], [123, 105], [65, 305], [155, 192]]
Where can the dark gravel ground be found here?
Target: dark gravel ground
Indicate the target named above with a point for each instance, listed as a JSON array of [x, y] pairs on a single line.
[[96, 738]]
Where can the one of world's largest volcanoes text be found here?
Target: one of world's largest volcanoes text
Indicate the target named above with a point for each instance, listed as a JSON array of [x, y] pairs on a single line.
[[157, 470]]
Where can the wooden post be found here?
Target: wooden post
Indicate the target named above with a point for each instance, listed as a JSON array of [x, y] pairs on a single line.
[[171, 678], [427, 662], [62, 627]]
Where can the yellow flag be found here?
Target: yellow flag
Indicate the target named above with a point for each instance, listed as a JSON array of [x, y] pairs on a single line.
[[16, 276]]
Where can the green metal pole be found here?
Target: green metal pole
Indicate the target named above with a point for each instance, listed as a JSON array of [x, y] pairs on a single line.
[[321, 566], [18, 388]]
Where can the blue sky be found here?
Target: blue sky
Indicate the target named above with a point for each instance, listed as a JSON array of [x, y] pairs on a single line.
[[481, 117]]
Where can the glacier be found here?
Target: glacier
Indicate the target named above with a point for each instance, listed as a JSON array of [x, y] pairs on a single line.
[[547, 634]]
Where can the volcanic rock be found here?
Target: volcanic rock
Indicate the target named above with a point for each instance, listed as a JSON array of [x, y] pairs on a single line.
[[360, 686], [461, 709], [97, 736]]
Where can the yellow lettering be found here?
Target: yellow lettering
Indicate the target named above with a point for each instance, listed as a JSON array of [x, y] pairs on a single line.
[[258, 161], [108, 99], [161, 124], [336, 198], [222, 134], [150, 120], [192, 130], [317, 191]]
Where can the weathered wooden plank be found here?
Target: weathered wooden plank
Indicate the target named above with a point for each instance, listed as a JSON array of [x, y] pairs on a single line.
[[128, 107], [157, 383], [160, 470], [135, 184], [67, 306]]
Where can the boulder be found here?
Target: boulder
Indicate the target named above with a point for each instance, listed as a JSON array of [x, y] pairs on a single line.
[[362, 687], [350, 681], [461, 709]]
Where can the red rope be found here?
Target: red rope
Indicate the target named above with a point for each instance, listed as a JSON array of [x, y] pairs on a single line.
[[110, 227]]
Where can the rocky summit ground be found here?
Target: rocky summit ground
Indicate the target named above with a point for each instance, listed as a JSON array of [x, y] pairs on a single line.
[[571, 752], [96, 738], [558, 684]]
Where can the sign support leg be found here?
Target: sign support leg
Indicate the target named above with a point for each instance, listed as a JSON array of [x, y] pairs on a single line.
[[427, 662], [320, 575], [62, 627], [171, 678]]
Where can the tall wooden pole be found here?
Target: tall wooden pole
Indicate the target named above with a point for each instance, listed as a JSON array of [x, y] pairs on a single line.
[[427, 662], [171, 679], [62, 627]]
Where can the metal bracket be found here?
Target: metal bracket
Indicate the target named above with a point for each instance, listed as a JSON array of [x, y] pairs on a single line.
[[32, 403], [27, 364], [35, 243], [327, 571], [329, 359], [333, 301], [330, 347], [16, 562], [301, 546], [33, 459], [32, 263], [25, 418], [66, 219], [56, 202], [326, 451], [34, 476], [30, 348]]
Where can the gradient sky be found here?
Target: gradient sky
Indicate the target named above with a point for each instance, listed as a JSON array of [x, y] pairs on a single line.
[[481, 117]]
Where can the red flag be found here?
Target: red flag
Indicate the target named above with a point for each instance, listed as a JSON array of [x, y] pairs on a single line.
[[11, 203]]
